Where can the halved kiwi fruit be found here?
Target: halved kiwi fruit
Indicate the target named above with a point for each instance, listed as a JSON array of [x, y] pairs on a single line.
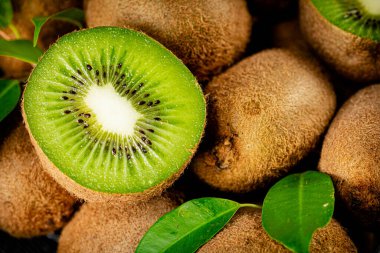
[[265, 114], [345, 34], [244, 233], [113, 114], [351, 155]]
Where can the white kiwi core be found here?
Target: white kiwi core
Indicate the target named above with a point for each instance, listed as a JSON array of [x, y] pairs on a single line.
[[114, 113], [371, 6]]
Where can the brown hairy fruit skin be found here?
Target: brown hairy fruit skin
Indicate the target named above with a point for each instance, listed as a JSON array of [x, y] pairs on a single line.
[[206, 35], [24, 11], [266, 113], [32, 203], [116, 227], [244, 233], [351, 56], [351, 155]]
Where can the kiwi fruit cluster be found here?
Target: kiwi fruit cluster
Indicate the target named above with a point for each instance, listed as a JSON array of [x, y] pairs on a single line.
[[113, 114], [264, 119], [205, 35], [351, 155], [101, 227], [32, 203], [23, 12], [244, 233], [345, 34]]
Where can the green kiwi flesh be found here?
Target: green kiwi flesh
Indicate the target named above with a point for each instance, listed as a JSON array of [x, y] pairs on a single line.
[[113, 110], [359, 17]]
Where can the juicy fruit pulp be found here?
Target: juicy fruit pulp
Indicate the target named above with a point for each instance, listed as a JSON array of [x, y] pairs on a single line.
[[114, 110], [359, 17]]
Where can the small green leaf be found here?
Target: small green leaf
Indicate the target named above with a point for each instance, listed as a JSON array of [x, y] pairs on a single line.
[[20, 49], [74, 16], [6, 13], [296, 206], [10, 93], [189, 226]]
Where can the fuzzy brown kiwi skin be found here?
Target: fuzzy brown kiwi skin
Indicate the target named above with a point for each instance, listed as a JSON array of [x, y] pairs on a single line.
[[351, 155], [206, 35], [244, 233], [353, 57], [266, 113], [24, 11], [94, 196], [100, 227], [32, 203]]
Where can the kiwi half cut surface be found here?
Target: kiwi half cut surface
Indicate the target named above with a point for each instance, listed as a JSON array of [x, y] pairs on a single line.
[[359, 17], [114, 111]]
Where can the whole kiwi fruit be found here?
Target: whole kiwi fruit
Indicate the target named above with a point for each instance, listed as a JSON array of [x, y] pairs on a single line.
[[116, 227], [113, 114], [351, 155], [244, 233], [265, 114], [345, 34], [32, 203], [206, 35], [23, 12]]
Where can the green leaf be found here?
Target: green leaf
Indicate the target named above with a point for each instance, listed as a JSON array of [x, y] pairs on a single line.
[[74, 16], [296, 206], [20, 49], [6, 13], [10, 93], [189, 226]]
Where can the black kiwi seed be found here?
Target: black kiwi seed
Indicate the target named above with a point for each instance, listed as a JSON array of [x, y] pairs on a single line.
[[127, 91], [141, 131], [142, 103], [73, 77], [148, 142], [144, 150], [104, 74], [114, 151], [97, 72], [157, 102], [143, 139], [72, 92], [128, 156], [157, 118], [151, 130], [141, 85], [87, 115], [81, 114], [122, 76], [134, 92], [67, 111], [79, 72], [146, 95], [89, 67], [80, 82], [80, 121], [85, 125], [149, 103], [119, 66], [134, 149], [65, 98]]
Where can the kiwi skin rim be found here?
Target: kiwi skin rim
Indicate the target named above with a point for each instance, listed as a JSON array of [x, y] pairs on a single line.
[[89, 195], [351, 56]]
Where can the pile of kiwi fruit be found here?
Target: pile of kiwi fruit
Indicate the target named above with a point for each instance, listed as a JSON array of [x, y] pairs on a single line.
[[155, 103]]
